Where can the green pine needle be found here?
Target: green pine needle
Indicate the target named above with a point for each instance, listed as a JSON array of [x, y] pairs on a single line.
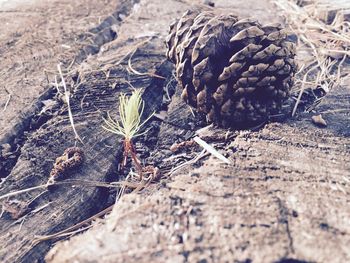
[[130, 110]]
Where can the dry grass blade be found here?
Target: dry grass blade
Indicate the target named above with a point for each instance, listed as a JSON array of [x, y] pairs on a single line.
[[141, 73], [66, 93], [328, 43]]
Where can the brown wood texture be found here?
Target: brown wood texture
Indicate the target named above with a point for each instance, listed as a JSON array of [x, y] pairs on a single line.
[[284, 197]]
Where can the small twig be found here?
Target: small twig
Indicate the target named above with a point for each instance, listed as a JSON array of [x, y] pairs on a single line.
[[211, 150], [191, 110], [7, 102]]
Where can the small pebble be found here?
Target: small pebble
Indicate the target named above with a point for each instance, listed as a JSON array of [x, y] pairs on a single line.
[[319, 121], [209, 3]]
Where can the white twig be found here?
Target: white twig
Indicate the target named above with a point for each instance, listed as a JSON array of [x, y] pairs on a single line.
[[7, 102], [211, 150]]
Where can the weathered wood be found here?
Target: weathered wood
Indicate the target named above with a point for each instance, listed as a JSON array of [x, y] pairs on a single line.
[[285, 195], [285, 198]]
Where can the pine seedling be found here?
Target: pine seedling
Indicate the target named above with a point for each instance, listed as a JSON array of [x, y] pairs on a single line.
[[130, 110]]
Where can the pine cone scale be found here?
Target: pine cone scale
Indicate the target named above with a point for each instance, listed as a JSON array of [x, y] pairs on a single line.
[[246, 52]]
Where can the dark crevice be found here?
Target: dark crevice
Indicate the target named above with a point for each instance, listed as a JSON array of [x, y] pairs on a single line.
[[284, 219], [29, 121], [291, 260], [105, 32]]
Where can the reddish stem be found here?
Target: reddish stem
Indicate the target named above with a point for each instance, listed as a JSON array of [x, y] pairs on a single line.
[[129, 148]]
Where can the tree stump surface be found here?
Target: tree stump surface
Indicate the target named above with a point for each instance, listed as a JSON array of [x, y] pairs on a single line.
[[285, 195]]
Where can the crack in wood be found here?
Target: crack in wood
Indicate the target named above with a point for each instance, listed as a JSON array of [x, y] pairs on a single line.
[[284, 220]]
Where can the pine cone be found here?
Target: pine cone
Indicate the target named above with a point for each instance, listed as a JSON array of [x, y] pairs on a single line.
[[235, 71]]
